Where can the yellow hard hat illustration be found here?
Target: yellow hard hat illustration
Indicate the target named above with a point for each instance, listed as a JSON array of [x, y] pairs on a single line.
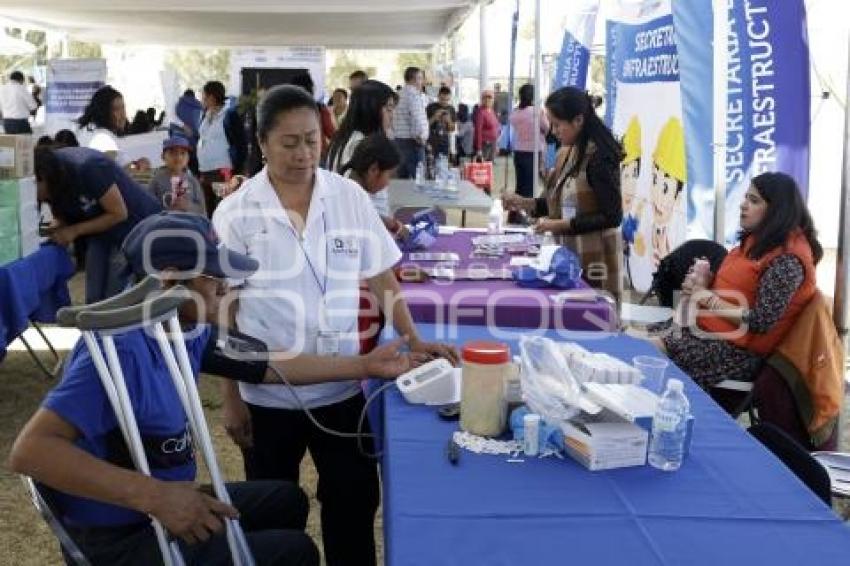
[[631, 141], [669, 154]]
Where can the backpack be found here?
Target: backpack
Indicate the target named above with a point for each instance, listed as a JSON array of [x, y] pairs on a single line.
[[673, 268]]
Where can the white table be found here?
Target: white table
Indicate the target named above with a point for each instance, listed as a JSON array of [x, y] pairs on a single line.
[[404, 193]]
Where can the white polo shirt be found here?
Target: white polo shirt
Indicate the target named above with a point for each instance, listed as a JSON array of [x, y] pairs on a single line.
[[343, 242]]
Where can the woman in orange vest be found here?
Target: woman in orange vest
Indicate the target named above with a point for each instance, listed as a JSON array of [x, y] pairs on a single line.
[[738, 316]]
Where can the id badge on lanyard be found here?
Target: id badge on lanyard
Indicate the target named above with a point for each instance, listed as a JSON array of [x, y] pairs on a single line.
[[327, 339], [327, 342]]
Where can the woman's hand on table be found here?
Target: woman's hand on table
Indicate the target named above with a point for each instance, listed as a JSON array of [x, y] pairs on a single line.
[[548, 225], [402, 234], [432, 350], [387, 361]]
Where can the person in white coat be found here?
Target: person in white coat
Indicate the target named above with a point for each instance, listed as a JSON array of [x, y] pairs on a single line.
[[315, 235]]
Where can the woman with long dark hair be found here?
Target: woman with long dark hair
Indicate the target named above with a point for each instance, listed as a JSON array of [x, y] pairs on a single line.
[[91, 197], [370, 111], [582, 206], [522, 122], [746, 309], [105, 118]]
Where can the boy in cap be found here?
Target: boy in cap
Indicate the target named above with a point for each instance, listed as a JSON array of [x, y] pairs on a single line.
[[73, 444], [173, 184]]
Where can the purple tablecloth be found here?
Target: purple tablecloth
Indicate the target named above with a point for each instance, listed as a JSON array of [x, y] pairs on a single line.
[[494, 302]]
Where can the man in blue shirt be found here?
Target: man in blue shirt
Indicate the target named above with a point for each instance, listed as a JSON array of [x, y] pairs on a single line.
[[74, 446]]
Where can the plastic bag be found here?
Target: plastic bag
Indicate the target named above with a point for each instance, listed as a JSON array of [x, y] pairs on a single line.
[[549, 387], [563, 271], [424, 228]]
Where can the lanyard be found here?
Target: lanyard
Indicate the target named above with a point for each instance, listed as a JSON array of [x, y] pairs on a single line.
[[322, 288]]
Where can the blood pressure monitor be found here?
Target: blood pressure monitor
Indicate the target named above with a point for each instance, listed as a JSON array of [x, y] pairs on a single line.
[[433, 383]]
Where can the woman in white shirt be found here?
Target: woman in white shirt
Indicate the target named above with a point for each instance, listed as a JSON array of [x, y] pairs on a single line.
[[103, 121], [315, 236]]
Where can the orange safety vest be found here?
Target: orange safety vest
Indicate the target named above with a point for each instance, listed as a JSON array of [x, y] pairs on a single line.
[[737, 282]]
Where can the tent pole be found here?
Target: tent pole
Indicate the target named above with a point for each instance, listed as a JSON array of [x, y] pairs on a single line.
[[511, 82], [537, 98], [842, 276], [483, 71], [721, 42]]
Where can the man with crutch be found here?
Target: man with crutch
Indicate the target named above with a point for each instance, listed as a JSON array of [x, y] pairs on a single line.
[[74, 443]]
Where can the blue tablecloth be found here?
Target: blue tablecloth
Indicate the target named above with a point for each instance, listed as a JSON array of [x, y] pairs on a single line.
[[732, 502], [33, 288]]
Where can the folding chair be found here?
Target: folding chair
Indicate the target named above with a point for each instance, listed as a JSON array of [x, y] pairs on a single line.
[[41, 500], [146, 306], [57, 359], [837, 464], [796, 458]]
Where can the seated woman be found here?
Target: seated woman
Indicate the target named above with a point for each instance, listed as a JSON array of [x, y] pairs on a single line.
[[91, 197], [743, 312]]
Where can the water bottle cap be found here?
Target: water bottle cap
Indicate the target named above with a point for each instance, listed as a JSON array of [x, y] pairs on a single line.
[[675, 385]]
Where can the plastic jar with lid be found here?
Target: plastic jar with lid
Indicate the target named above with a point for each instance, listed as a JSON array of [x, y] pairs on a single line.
[[483, 409]]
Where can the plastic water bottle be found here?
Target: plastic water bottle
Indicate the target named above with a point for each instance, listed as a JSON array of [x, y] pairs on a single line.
[[420, 174], [495, 218], [548, 239], [669, 426]]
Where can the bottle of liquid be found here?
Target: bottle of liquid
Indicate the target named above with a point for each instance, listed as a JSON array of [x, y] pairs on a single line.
[[548, 239], [669, 426], [495, 218], [420, 174]]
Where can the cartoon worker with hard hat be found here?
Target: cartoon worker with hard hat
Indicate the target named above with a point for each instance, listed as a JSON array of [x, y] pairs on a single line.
[[669, 175], [632, 205]]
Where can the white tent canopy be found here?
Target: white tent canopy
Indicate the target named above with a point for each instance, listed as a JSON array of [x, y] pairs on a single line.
[[330, 23], [12, 46]]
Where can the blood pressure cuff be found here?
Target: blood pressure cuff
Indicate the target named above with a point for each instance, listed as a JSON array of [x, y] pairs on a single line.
[[236, 356]]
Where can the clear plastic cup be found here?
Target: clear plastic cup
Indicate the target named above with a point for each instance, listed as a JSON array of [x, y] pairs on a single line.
[[653, 369]]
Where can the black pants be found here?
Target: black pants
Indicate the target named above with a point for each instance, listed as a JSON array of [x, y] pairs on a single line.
[[16, 126], [524, 168], [272, 514], [348, 482], [412, 154]]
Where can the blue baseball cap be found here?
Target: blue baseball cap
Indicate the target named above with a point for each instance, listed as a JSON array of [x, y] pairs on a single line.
[[176, 141], [186, 242]]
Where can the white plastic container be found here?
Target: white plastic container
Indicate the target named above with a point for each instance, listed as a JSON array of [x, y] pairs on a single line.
[[483, 408], [496, 217], [531, 432]]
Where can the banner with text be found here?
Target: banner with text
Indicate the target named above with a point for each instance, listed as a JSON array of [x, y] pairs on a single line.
[[644, 109], [767, 105], [70, 86], [574, 60]]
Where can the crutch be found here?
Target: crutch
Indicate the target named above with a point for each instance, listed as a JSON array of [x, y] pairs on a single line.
[[139, 307]]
